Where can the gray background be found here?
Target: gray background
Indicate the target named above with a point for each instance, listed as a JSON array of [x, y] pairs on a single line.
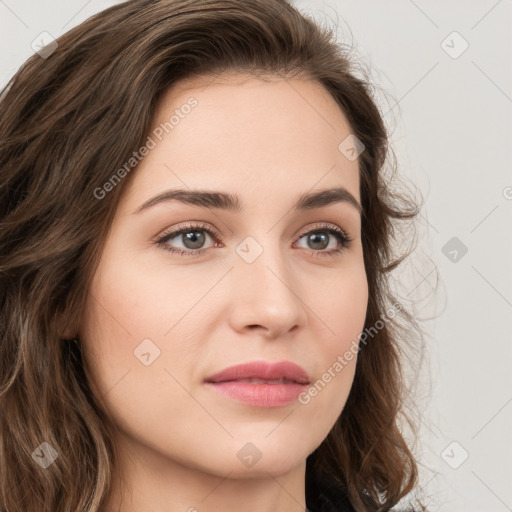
[[450, 115]]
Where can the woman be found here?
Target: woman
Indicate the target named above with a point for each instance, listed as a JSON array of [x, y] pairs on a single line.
[[171, 336]]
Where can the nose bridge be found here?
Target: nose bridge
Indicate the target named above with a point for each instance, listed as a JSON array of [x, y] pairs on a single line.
[[266, 294]]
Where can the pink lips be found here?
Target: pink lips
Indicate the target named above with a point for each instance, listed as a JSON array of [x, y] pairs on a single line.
[[285, 381]]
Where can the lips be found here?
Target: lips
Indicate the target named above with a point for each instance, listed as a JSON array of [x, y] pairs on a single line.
[[282, 372], [261, 384]]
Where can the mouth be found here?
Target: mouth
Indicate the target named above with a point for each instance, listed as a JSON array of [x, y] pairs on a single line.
[[261, 384], [282, 380], [259, 393], [262, 372]]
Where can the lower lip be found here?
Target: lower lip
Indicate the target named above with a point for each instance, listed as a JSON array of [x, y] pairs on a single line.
[[259, 394]]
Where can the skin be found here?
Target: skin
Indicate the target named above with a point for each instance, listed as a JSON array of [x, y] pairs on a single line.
[[266, 141]]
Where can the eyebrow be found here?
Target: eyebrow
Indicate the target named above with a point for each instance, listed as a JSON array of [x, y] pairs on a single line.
[[226, 201]]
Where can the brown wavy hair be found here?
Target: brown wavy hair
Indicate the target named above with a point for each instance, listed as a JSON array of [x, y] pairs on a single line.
[[69, 120]]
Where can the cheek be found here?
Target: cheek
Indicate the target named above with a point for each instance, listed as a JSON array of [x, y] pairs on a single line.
[[341, 307], [343, 304], [131, 314], [132, 300]]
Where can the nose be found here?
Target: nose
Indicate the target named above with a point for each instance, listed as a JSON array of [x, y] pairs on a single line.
[[266, 296]]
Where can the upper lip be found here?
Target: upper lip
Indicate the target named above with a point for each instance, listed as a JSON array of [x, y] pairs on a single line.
[[262, 370]]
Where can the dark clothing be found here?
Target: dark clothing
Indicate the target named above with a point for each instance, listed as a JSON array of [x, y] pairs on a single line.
[[323, 494], [333, 506]]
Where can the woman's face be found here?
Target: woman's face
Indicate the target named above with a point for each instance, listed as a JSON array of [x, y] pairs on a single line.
[[267, 281]]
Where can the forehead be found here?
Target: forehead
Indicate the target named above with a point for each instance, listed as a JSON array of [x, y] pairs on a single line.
[[247, 133], [246, 95]]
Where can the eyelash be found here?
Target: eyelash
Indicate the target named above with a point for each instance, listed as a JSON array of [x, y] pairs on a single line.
[[338, 233]]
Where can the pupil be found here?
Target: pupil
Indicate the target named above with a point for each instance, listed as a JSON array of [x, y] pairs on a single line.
[[196, 238], [314, 238]]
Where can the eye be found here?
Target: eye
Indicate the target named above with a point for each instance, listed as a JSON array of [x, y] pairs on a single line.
[[193, 240], [193, 237], [321, 237]]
